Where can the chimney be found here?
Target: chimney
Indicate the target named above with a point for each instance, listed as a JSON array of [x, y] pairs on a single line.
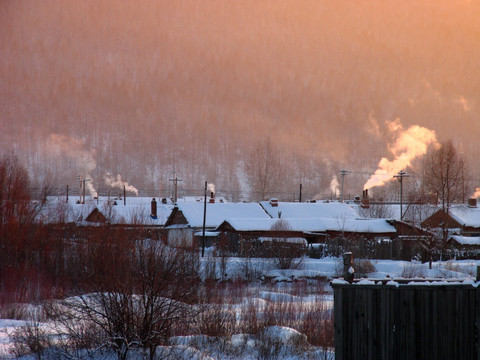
[[154, 209], [365, 201], [212, 198], [472, 203]]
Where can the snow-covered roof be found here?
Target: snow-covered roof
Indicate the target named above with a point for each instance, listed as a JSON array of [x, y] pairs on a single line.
[[360, 225], [465, 216], [218, 212], [295, 210], [466, 240], [316, 225], [136, 212], [414, 213], [249, 224]]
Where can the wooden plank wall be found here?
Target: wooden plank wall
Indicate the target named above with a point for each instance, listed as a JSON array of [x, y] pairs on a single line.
[[406, 322]]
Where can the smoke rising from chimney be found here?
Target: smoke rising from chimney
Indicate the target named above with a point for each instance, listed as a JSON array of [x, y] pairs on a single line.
[[117, 182], [211, 187], [334, 185], [409, 144], [82, 158], [476, 195]]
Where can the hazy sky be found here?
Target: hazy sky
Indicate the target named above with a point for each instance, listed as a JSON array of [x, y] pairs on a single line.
[[324, 79]]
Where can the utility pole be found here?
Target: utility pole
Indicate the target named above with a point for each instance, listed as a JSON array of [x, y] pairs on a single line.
[[300, 197], [400, 176], [175, 181], [343, 172], [82, 187], [204, 219]]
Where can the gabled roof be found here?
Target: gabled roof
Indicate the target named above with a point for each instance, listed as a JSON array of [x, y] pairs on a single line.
[[96, 217], [458, 216], [296, 210], [465, 216], [465, 240], [305, 225], [316, 225], [216, 213], [360, 225]]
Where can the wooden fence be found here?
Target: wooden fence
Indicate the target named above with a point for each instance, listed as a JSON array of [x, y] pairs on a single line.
[[414, 320]]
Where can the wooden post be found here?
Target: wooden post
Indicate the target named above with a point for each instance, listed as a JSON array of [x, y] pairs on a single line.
[[348, 271], [204, 219]]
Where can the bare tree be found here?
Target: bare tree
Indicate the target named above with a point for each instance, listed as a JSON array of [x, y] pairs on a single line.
[[286, 254], [264, 170], [15, 204], [136, 309], [378, 210], [444, 178]]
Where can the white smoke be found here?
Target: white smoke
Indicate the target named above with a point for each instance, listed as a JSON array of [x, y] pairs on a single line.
[[476, 195], [334, 185], [211, 187], [464, 103], [408, 145], [82, 158], [117, 182]]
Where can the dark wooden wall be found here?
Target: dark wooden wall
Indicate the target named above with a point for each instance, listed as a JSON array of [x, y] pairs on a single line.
[[406, 322]]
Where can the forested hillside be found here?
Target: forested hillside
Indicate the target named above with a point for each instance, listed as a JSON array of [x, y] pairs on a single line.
[[143, 88]]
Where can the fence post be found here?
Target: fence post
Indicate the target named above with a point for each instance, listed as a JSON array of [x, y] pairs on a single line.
[[348, 271]]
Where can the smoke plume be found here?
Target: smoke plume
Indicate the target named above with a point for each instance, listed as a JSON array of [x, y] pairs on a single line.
[[334, 185], [477, 193], [409, 144], [211, 187], [117, 182], [82, 158]]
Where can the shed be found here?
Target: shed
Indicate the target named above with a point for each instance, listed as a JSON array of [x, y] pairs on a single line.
[[96, 216], [406, 319]]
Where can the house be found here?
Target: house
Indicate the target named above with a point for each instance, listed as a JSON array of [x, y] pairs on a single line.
[[96, 216], [141, 216], [461, 219], [239, 232], [185, 222]]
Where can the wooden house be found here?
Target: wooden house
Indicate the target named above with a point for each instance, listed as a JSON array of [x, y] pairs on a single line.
[[185, 223], [464, 219]]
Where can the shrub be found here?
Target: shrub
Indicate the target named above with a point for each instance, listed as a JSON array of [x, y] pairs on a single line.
[[31, 339], [411, 270], [363, 267]]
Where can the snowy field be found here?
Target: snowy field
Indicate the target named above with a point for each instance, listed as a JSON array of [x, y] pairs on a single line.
[[266, 291]]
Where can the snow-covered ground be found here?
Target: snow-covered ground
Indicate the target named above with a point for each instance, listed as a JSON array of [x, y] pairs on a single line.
[[300, 288]]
